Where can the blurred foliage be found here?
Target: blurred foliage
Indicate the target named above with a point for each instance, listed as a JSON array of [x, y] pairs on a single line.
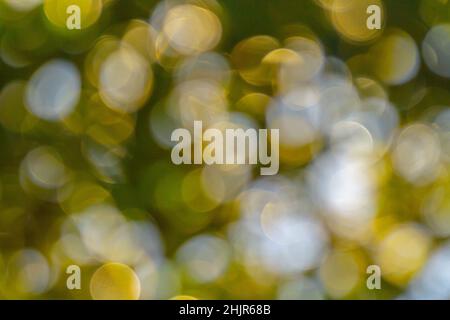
[[86, 176]]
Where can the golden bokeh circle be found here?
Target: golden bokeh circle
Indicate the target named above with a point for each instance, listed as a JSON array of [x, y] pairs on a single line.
[[191, 29], [396, 57], [349, 17], [115, 281]]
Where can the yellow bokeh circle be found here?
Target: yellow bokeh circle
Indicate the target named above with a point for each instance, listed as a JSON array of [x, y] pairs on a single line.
[[403, 252], [349, 17], [115, 281], [190, 29]]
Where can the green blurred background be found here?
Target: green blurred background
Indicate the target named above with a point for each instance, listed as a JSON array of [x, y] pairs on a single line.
[[86, 176]]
